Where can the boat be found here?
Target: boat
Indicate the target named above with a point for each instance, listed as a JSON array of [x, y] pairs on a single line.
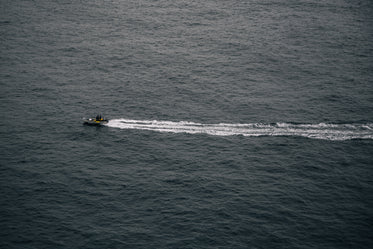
[[97, 121]]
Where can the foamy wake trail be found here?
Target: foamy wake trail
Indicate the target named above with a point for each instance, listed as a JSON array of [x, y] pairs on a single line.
[[318, 131]]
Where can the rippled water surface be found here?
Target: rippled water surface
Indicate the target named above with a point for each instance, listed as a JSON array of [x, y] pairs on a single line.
[[233, 124]]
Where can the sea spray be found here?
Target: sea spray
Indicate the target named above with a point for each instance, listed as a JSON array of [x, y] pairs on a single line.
[[324, 131]]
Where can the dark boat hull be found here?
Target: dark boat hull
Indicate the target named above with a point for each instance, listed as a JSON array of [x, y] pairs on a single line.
[[94, 122]]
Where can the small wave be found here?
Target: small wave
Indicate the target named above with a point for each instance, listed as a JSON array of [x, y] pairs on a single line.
[[324, 131]]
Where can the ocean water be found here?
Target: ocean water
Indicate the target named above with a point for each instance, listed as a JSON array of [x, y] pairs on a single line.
[[233, 124]]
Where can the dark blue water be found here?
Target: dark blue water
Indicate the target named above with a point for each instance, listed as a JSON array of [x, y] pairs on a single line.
[[233, 124]]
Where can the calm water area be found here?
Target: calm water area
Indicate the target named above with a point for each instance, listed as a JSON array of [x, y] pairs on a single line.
[[232, 124]]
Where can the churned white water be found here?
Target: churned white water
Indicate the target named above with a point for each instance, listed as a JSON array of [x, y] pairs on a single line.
[[318, 131]]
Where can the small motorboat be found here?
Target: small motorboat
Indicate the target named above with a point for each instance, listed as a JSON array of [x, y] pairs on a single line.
[[98, 121]]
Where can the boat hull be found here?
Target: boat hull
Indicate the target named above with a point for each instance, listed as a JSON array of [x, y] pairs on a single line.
[[94, 122]]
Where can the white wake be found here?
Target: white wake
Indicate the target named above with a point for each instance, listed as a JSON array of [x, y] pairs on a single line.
[[324, 131]]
